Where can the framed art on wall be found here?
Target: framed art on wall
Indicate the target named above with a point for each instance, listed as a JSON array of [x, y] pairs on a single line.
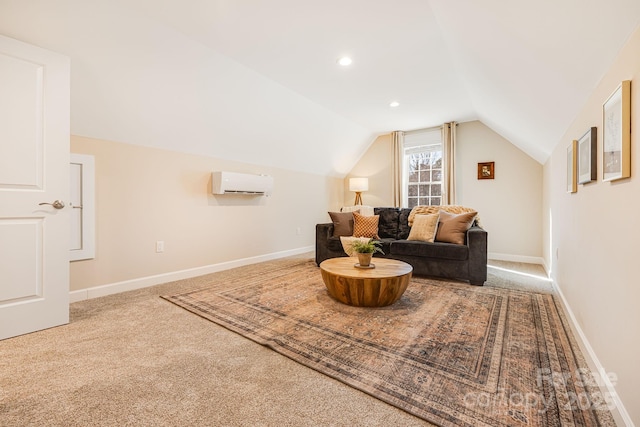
[[572, 183], [587, 157], [486, 170], [616, 134]]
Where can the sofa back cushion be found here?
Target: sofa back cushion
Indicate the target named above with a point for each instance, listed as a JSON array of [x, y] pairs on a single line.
[[403, 224], [388, 225]]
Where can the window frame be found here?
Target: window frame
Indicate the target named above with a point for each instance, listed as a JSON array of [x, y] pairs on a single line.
[[82, 198], [413, 141]]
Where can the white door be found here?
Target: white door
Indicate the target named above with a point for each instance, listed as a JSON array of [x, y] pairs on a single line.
[[34, 169]]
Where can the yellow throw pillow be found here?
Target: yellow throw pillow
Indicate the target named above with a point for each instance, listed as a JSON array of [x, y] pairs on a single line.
[[424, 228], [454, 209], [453, 228], [365, 226]]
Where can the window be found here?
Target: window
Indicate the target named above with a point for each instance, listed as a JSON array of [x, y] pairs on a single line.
[[423, 167], [82, 205]]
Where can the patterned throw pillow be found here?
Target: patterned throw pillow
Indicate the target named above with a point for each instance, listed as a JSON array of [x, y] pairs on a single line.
[[453, 228], [365, 226], [424, 228]]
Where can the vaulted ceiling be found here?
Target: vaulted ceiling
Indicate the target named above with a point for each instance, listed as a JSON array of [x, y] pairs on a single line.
[[258, 81]]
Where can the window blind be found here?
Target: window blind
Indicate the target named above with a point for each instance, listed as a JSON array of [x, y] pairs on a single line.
[[423, 140]]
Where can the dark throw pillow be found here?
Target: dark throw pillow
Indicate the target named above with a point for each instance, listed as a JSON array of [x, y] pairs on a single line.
[[342, 223]]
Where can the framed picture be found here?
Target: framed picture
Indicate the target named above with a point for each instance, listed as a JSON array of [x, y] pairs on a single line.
[[572, 182], [616, 134], [486, 170], [587, 157]]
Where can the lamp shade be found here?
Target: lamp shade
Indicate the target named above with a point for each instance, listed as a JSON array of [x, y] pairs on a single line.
[[358, 184]]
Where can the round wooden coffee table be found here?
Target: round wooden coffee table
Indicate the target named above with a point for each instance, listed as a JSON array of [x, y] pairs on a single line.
[[372, 287]]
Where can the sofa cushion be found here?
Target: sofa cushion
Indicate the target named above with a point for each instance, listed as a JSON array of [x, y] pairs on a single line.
[[403, 224], [453, 228], [388, 224], [385, 246], [342, 223], [334, 244], [365, 226], [348, 242], [430, 250], [424, 228]]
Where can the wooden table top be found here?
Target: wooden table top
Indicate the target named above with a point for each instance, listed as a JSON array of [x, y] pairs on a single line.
[[344, 266]]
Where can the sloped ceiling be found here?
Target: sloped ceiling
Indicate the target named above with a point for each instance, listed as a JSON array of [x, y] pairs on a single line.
[[258, 82]]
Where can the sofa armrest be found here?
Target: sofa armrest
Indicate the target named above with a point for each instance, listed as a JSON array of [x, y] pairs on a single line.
[[323, 232], [477, 243]]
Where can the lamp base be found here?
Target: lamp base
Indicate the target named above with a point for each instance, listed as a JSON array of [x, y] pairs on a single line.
[[358, 200]]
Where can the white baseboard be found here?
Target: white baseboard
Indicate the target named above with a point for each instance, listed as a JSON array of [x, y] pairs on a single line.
[[143, 282], [546, 267], [515, 258], [619, 412]]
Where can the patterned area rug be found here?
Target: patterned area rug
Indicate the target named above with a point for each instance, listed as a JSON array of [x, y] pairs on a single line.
[[450, 353]]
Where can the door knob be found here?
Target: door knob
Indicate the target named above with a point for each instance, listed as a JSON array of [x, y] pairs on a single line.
[[58, 204]]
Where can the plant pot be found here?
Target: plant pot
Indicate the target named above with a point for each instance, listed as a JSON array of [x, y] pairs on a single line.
[[364, 259]]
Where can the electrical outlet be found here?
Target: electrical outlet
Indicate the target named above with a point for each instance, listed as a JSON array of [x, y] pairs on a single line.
[[298, 231], [159, 246]]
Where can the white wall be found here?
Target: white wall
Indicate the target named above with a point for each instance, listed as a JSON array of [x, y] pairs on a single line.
[[137, 81], [591, 239]]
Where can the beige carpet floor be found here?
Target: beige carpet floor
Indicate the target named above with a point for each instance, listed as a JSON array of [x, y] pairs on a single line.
[[135, 359]]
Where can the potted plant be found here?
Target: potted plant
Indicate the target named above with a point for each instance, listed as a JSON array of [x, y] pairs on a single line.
[[365, 250]]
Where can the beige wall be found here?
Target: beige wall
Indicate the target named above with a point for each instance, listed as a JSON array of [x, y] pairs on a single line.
[[591, 239], [375, 164], [509, 206], [512, 201], [145, 194]]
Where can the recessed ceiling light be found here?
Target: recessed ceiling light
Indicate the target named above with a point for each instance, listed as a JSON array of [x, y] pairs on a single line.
[[394, 104], [345, 61]]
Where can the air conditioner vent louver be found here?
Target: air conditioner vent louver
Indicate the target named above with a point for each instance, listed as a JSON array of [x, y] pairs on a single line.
[[241, 183]]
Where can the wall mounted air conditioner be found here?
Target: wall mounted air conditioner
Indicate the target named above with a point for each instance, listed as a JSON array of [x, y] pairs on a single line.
[[241, 183]]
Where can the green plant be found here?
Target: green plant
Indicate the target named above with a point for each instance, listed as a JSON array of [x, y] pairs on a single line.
[[368, 247]]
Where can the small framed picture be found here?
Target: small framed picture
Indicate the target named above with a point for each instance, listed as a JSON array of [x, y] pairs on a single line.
[[616, 134], [572, 182], [587, 157], [486, 170]]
